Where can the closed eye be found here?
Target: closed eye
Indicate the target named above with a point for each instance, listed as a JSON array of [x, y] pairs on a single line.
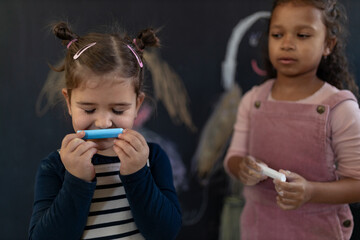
[[117, 112], [89, 111], [303, 35], [276, 35]]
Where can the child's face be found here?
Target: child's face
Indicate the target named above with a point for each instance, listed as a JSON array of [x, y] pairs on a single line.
[[103, 104], [297, 39]]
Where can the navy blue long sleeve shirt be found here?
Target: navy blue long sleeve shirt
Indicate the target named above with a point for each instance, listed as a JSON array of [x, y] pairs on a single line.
[[62, 201]]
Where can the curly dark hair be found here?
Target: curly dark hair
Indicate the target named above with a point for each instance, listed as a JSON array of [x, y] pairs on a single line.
[[333, 69]]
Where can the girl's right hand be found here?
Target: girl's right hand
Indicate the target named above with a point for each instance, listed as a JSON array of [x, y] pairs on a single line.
[[76, 155], [249, 171]]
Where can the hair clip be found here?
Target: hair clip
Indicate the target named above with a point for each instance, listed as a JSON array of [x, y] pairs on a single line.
[[137, 57], [83, 49], [137, 47], [71, 42]]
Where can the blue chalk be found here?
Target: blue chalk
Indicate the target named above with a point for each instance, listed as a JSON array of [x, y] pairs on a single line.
[[102, 133]]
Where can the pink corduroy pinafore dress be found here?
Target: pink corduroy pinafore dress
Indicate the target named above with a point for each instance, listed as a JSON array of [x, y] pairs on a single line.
[[292, 136]]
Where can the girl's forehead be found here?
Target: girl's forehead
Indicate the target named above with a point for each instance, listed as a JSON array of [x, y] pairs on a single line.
[[107, 80], [104, 92], [301, 14]]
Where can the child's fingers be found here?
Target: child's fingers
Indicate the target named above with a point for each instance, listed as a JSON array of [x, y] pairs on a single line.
[[252, 163], [89, 153], [80, 134], [290, 176], [286, 204], [255, 174], [66, 140], [133, 142], [247, 171], [290, 187], [74, 144], [70, 137], [136, 134], [250, 176], [119, 149], [286, 194], [287, 187], [287, 201], [126, 147], [135, 139], [254, 168], [244, 176], [294, 182], [85, 147]]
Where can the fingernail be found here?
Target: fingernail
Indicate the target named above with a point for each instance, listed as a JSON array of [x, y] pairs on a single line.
[[281, 193]]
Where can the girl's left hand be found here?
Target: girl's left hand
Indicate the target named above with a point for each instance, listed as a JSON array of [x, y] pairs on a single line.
[[132, 150], [293, 193]]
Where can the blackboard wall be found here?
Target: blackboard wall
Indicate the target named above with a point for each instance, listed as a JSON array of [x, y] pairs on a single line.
[[194, 36]]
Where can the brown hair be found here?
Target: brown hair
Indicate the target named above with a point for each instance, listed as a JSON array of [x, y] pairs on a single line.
[[109, 54], [334, 68]]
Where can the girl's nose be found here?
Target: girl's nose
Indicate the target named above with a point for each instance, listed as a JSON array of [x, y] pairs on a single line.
[[103, 121], [287, 43]]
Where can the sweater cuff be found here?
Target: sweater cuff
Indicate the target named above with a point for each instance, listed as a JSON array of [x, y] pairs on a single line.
[[136, 175], [80, 186]]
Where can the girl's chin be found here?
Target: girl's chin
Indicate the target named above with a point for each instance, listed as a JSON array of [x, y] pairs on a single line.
[[107, 152], [105, 146]]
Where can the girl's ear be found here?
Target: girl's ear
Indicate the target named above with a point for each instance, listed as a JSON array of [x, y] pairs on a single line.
[[330, 44], [139, 100], [67, 98]]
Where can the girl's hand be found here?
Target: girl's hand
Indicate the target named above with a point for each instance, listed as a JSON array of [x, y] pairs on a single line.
[[293, 193], [133, 151], [249, 171], [76, 156]]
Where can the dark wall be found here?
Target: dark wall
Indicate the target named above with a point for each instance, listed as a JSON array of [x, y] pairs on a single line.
[[194, 36]]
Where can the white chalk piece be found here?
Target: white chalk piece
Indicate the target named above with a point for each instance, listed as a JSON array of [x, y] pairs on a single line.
[[272, 173]]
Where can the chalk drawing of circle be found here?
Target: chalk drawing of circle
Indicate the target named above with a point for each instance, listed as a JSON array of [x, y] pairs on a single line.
[[229, 64]]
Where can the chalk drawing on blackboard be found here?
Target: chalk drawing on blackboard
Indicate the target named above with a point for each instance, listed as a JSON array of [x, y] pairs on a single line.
[[229, 64], [218, 128], [217, 132]]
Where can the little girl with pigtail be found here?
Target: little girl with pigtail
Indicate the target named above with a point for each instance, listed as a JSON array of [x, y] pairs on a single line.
[[109, 188]]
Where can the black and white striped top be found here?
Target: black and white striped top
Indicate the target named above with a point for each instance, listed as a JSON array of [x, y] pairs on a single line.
[[110, 216]]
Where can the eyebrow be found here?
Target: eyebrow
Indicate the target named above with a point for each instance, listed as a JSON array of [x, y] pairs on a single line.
[[112, 104], [298, 27], [85, 103], [121, 104]]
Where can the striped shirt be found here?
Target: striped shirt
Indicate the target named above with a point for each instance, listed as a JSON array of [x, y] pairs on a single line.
[[66, 207], [110, 215]]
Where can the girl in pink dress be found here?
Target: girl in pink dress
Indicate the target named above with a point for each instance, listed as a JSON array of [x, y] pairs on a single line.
[[304, 124]]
